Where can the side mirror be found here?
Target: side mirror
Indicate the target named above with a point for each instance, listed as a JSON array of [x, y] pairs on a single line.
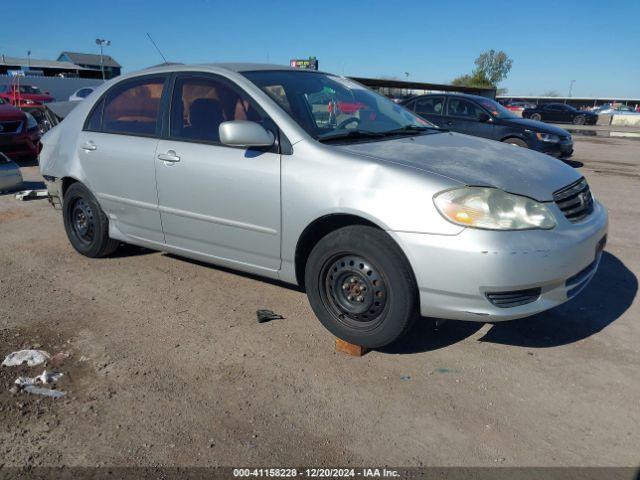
[[242, 133], [484, 117]]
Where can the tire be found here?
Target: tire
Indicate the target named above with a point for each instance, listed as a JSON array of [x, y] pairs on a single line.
[[86, 224], [579, 120], [516, 141], [345, 261], [536, 116]]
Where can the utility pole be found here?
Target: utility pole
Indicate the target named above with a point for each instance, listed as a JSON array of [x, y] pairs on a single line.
[[29, 59], [571, 87], [102, 43]]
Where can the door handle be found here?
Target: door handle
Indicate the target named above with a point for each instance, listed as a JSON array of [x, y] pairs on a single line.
[[170, 156], [449, 123], [89, 146]]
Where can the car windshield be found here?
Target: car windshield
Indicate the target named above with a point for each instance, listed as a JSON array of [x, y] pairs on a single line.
[[496, 109], [29, 89], [328, 106]]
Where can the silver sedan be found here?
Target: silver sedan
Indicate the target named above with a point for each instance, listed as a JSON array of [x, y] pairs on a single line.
[[312, 179]]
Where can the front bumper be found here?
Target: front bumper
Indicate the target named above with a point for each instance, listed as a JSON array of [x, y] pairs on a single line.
[[18, 146], [456, 272], [563, 149]]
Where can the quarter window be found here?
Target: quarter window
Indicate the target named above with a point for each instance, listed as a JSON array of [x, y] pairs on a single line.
[[132, 107], [201, 104], [429, 106]]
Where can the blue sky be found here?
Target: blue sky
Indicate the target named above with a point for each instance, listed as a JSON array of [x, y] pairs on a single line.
[[594, 42]]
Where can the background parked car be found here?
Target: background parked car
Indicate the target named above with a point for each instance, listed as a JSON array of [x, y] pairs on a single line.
[[615, 109], [483, 117], [81, 94], [10, 176], [518, 107], [21, 95], [19, 133], [560, 113]]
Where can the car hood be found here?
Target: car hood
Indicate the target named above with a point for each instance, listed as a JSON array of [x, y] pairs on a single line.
[[9, 112], [474, 161], [535, 126]]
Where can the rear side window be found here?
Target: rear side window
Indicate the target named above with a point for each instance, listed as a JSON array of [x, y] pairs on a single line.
[[133, 107], [201, 104], [429, 106]]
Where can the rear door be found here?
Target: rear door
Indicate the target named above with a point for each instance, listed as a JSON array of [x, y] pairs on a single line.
[[220, 201], [463, 116], [117, 151]]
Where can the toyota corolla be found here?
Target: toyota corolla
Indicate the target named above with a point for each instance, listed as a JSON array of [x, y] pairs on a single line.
[[380, 216]]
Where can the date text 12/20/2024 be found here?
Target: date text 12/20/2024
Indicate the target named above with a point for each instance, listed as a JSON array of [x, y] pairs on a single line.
[[316, 472]]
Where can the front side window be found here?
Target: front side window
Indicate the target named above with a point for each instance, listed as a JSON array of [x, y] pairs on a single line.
[[429, 106], [132, 107], [201, 104], [327, 106], [496, 109], [459, 107]]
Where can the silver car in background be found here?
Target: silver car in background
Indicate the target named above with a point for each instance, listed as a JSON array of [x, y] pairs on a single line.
[[312, 179]]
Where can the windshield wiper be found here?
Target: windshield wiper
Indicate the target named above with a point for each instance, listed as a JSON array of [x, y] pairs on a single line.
[[411, 129], [349, 134]]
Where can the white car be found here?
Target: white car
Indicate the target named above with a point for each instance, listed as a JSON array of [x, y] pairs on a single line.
[[81, 94]]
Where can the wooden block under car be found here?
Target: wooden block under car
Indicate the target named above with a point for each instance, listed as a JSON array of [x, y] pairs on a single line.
[[350, 348]]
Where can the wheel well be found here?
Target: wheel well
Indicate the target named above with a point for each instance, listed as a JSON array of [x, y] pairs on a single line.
[[66, 183], [513, 136], [317, 230]]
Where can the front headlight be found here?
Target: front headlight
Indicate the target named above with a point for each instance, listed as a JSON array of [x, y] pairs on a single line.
[[548, 137], [493, 209]]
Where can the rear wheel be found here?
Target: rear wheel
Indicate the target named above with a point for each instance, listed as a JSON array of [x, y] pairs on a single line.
[[536, 116], [516, 141], [579, 120], [86, 224], [361, 287]]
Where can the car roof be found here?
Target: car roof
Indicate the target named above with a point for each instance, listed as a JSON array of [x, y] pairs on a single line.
[[449, 94]]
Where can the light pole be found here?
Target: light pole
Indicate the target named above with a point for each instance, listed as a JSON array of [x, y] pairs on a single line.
[[571, 87], [102, 43], [29, 59]]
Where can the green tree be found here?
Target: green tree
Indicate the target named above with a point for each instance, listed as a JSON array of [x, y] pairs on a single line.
[[491, 68]]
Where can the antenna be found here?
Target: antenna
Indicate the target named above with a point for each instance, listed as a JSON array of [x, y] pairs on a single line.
[[154, 44]]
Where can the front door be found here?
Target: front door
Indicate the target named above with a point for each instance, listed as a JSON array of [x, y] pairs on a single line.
[[117, 150], [219, 201], [463, 116]]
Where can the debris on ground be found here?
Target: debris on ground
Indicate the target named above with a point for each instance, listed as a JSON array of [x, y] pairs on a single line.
[[58, 359], [267, 316], [47, 392], [31, 194], [30, 357], [45, 378]]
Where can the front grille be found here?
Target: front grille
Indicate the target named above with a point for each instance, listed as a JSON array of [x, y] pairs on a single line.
[[10, 126], [575, 201], [514, 298]]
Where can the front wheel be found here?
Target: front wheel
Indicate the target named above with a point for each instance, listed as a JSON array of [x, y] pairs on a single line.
[[579, 120], [86, 224], [517, 142], [361, 287], [536, 116]]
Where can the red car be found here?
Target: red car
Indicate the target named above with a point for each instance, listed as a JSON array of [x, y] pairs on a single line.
[[19, 133], [24, 95]]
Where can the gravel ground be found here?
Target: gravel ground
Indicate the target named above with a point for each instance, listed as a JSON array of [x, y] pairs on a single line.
[[168, 365]]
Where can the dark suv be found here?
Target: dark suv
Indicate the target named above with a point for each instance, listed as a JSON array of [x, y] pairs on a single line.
[[483, 117]]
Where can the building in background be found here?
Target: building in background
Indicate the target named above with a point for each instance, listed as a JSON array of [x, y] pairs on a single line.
[[93, 62]]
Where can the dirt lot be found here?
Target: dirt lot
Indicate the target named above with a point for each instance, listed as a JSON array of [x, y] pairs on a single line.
[[168, 365]]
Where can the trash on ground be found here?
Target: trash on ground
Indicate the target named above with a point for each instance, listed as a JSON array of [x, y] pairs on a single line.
[[58, 359], [44, 378], [30, 194], [30, 357], [47, 392], [405, 377], [267, 315]]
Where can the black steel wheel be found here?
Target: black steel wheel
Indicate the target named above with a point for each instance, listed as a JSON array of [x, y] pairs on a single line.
[[536, 116], [86, 224], [579, 120], [361, 287]]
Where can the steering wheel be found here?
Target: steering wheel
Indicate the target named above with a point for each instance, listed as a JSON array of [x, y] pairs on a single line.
[[346, 122]]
